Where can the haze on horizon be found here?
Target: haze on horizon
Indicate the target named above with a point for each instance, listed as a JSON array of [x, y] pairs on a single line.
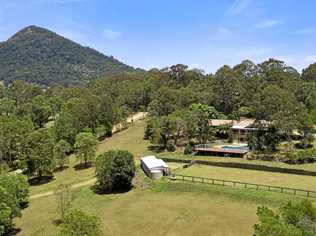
[[202, 34]]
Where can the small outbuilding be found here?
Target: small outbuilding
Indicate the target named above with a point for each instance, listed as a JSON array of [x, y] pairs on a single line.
[[153, 167]]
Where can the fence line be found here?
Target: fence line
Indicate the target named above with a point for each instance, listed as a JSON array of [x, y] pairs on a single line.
[[262, 187], [247, 166]]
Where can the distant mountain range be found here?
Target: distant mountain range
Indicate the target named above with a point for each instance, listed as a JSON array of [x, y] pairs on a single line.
[[38, 55]]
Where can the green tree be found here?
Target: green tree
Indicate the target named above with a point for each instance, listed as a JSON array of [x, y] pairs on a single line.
[[114, 171], [7, 106], [293, 219], [40, 153], [60, 153], [13, 138], [18, 186], [85, 147], [77, 223], [6, 222], [163, 102], [227, 90], [9, 209], [55, 103], [41, 111], [280, 107], [202, 115], [65, 128], [309, 74]]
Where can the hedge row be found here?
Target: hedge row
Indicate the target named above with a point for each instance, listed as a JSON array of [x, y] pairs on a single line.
[[245, 166]]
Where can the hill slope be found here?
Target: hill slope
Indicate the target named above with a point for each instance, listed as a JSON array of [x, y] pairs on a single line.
[[38, 55]]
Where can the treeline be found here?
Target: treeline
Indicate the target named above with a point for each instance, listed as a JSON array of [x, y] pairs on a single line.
[[38, 128], [271, 91]]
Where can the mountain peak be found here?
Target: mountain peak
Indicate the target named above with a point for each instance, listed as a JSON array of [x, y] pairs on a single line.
[[35, 54], [29, 30]]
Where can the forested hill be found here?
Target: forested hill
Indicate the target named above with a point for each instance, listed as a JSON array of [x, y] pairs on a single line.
[[38, 55]]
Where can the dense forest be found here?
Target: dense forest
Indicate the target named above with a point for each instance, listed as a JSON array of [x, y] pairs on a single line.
[[180, 103], [38, 55]]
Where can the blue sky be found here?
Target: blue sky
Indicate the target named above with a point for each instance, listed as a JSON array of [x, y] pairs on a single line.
[[156, 33]]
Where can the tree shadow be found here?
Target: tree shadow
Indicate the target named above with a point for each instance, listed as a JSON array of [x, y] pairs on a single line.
[[40, 180], [57, 222], [82, 166], [98, 191], [156, 148], [61, 168], [13, 231]]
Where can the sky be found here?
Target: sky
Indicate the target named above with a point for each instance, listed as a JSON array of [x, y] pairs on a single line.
[[204, 34]]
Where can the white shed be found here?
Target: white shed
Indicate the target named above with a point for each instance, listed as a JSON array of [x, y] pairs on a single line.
[[153, 167]]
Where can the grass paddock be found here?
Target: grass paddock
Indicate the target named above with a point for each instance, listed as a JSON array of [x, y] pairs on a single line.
[[161, 207]]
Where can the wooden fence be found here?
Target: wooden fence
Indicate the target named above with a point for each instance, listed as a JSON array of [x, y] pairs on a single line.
[[247, 166], [262, 187]]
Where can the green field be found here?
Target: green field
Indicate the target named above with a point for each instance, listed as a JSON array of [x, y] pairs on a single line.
[[161, 207], [130, 139], [252, 176], [166, 209]]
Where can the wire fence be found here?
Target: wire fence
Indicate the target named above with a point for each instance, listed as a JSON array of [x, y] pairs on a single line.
[[230, 183]]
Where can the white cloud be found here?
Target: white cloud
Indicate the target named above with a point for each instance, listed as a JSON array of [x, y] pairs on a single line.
[[111, 34], [306, 31], [238, 7], [267, 24]]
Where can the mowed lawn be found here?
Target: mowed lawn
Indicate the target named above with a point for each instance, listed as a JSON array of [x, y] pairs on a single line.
[[130, 139], [168, 208], [252, 176]]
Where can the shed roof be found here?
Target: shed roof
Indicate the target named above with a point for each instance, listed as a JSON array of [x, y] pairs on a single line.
[[153, 162]]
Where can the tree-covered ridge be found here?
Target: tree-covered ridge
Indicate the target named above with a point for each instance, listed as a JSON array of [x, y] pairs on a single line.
[[38, 55]]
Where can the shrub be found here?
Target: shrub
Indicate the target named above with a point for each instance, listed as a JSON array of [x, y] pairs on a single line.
[[170, 147], [13, 195], [114, 171], [17, 186], [188, 149], [9, 208], [5, 218], [294, 219], [77, 223]]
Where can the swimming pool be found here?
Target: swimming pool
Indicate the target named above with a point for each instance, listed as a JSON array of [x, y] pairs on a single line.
[[240, 148]]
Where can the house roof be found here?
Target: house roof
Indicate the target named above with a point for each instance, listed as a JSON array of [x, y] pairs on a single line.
[[235, 124], [153, 162]]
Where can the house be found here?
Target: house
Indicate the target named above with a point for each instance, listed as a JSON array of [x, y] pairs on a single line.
[[153, 167], [240, 129]]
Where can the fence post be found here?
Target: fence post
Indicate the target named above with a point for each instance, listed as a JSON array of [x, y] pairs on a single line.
[[245, 185], [192, 179], [281, 189], [307, 193], [257, 187], [213, 181]]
